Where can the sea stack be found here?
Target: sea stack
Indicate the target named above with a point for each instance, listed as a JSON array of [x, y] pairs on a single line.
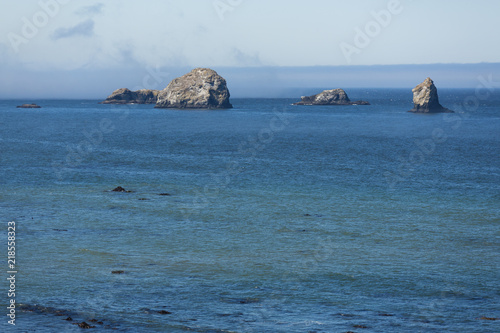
[[329, 97], [202, 88], [425, 98], [126, 96]]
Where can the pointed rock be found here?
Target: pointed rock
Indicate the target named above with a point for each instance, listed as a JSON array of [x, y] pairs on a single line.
[[202, 88], [425, 98], [126, 96], [329, 97]]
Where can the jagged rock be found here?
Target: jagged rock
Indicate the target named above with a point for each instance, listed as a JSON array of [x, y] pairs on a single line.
[[359, 326], [329, 97], [202, 88], [425, 98], [84, 325], [164, 312], [126, 96], [120, 189], [29, 106]]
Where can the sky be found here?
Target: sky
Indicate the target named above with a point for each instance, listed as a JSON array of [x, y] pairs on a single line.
[[56, 48]]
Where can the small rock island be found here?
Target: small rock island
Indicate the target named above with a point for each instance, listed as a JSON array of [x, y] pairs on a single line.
[[329, 97], [425, 99], [126, 96], [29, 106], [202, 88]]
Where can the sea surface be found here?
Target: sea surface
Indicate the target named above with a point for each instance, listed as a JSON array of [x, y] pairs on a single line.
[[264, 218]]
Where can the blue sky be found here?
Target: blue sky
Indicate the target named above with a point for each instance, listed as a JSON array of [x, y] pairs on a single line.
[[61, 38]]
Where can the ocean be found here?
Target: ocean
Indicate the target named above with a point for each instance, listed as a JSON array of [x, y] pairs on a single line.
[[263, 218]]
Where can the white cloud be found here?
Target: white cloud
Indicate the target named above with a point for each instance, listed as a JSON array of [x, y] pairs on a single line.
[[91, 10], [245, 59], [85, 28]]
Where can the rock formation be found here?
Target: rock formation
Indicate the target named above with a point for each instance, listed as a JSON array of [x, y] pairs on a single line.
[[425, 98], [126, 96], [329, 97], [120, 189], [29, 106], [84, 325], [202, 88]]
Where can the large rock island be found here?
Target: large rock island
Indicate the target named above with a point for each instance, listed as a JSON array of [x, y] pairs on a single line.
[[202, 88], [126, 96], [425, 98], [329, 97]]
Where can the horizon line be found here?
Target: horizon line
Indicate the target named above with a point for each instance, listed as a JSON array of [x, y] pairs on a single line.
[[235, 97]]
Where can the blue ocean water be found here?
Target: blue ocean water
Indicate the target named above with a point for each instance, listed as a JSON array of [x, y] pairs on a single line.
[[278, 218]]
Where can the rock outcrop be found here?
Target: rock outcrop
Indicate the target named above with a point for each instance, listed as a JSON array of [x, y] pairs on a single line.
[[425, 98], [202, 88], [29, 106], [126, 96], [120, 189], [329, 97]]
